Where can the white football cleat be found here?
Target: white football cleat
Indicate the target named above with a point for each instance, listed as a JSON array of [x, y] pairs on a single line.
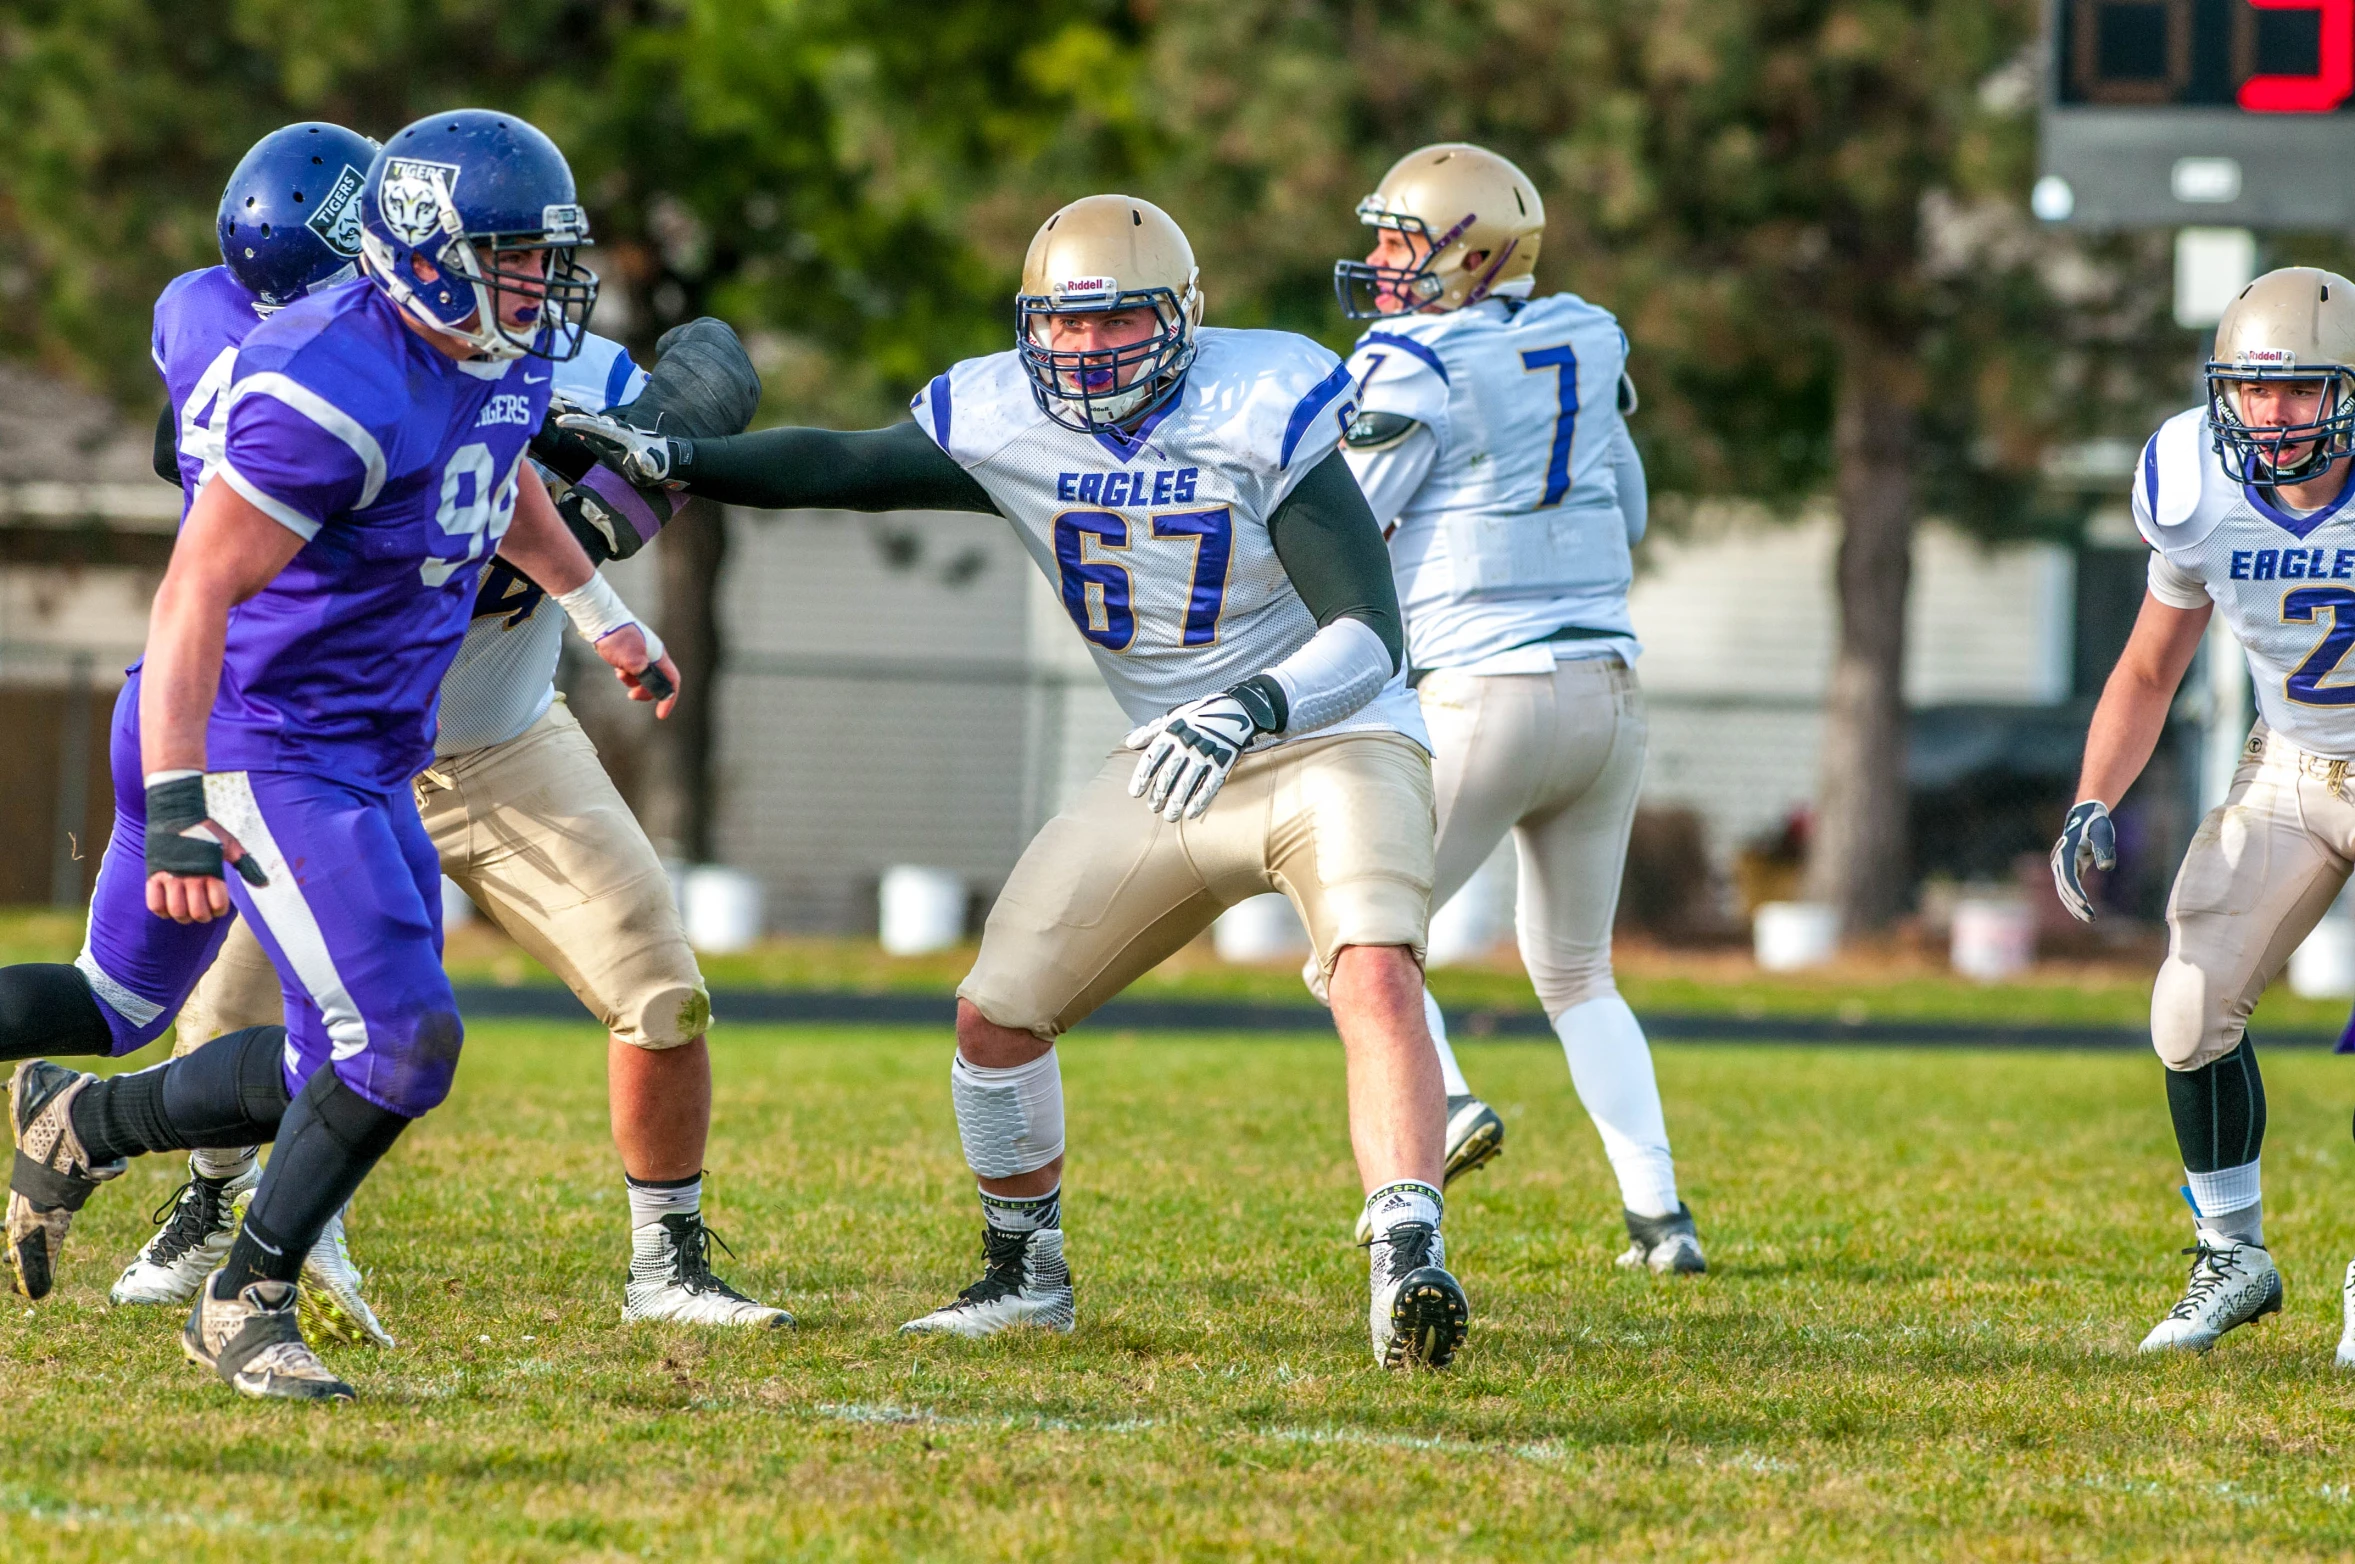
[[329, 1299], [671, 1279], [1418, 1314], [2231, 1284], [2347, 1307], [1664, 1245], [1475, 1137], [1025, 1282], [195, 1229]]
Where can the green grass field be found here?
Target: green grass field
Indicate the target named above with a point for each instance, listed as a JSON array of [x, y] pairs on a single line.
[[1930, 1272]]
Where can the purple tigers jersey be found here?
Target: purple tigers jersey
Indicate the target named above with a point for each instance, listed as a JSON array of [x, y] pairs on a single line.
[[200, 318], [398, 466]]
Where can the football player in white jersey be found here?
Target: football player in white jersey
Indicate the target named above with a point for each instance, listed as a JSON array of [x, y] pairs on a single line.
[[1181, 487], [2246, 505], [530, 827], [1491, 442]]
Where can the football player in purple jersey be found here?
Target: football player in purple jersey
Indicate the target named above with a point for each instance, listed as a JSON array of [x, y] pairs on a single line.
[[371, 459]]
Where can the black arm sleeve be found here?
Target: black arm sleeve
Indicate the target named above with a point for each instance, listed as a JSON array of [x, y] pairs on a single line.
[[1332, 548], [898, 468], [167, 446]]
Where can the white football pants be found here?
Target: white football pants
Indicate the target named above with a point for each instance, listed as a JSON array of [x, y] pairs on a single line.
[[1557, 760]]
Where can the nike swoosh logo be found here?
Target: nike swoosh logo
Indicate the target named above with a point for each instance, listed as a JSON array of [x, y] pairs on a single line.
[[538, 380]]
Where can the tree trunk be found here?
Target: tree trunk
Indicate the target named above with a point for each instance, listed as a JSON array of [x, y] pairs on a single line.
[[682, 798], [1857, 859]]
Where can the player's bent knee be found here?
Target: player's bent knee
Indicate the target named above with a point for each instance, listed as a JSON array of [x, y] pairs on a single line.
[[1010, 1120], [996, 1031], [667, 1016], [421, 1073], [1561, 988], [2189, 1027]]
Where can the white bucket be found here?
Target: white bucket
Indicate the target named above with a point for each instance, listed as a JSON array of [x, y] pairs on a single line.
[[1259, 929], [721, 908], [2324, 966], [1790, 935], [1993, 938], [457, 911], [922, 910]]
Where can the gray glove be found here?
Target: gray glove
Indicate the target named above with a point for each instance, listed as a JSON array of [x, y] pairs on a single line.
[[2088, 840]]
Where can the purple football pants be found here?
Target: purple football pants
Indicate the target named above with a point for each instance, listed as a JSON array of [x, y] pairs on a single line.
[[351, 918]]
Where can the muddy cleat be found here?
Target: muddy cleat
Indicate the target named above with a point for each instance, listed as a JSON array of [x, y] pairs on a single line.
[[1475, 1138], [197, 1226], [671, 1279], [52, 1178], [1025, 1283], [255, 1343], [1419, 1315], [2347, 1307], [1666, 1245], [2231, 1284]]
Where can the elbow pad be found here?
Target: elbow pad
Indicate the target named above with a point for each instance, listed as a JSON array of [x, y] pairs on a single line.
[[1342, 667]]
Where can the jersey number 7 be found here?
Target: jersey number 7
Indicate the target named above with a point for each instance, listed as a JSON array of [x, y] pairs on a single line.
[[1563, 361], [1098, 593]]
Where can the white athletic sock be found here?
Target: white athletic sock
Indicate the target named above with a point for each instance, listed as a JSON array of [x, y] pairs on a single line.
[[651, 1202], [1611, 1069], [1408, 1200], [221, 1163], [1448, 1071], [2230, 1201]]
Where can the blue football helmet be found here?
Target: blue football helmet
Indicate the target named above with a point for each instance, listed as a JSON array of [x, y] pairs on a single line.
[[457, 190], [290, 219]]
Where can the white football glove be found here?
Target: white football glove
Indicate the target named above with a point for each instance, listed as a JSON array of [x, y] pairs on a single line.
[[644, 459], [1188, 754]]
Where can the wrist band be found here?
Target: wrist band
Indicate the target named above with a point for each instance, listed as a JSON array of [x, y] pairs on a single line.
[[596, 611]]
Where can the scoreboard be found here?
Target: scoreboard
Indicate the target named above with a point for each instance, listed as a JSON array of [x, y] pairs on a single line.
[[2168, 113]]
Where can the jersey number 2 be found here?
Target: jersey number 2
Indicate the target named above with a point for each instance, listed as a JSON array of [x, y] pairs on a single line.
[[2305, 686], [1098, 594]]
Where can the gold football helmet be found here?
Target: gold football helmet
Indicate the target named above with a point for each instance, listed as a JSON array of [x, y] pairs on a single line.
[[1462, 202], [2294, 324], [1101, 255]]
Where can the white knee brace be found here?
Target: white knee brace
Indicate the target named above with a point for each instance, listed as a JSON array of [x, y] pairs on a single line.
[[1011, 1121]]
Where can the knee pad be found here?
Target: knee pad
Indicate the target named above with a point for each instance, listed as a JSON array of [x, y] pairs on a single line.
[[668, 1015], [358, 1125], [47, 1008], [420, 1076], [2188, 1030], [1011, 1120], [1563, 986]]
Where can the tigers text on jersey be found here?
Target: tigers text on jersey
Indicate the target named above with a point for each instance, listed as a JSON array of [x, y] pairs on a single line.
[[2284, 583], [505, 674], [397, 466], [1515, 530], [1158, 541]]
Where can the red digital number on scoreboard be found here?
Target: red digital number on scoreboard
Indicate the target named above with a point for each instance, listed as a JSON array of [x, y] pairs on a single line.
[[2330, 84], [2261, 56]]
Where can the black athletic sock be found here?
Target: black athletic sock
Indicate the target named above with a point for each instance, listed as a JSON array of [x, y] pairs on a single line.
[[2219, 1111], [48, 1012], [328, 1142], [231, 1092]]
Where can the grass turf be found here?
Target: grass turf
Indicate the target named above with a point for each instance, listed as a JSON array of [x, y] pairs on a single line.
[[1930, 1273]]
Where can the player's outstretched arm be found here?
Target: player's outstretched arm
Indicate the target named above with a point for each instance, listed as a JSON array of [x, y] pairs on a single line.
[[228, 550], [539, 544], [898, 468], [2126, 726]]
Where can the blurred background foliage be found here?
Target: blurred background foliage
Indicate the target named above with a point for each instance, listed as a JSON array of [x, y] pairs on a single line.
[[852, 183]]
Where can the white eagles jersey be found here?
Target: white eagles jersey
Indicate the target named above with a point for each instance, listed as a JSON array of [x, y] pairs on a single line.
[[505, 674], [1158, 542], [2284, 582], [1508, 525]]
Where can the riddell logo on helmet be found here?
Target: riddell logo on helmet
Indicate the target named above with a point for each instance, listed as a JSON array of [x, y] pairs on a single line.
[[413, 195], [1078, 290], [2271, 356]]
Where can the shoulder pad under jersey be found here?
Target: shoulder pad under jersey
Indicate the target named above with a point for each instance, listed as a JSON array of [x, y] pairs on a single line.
[[601, 375], [2180, 491], [1274, 395], [976, 406]]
